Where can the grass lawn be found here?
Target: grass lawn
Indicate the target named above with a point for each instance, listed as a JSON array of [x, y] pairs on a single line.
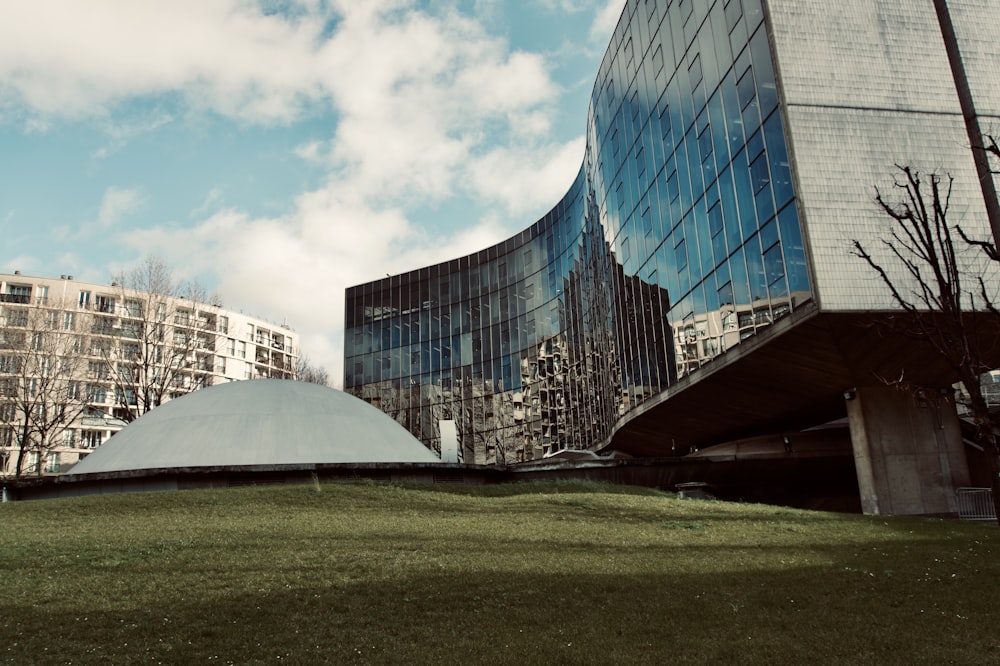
[[527, 574]]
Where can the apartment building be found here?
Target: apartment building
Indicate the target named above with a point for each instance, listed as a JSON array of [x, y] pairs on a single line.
[[78, 361]]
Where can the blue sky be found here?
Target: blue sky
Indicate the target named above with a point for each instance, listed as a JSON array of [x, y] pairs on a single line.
[[280, 151]]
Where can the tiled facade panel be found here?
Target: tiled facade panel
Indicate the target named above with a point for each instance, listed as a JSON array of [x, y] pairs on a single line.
[[868, 85], [841, 156], [679, 239], [977, 28], [884, 54]]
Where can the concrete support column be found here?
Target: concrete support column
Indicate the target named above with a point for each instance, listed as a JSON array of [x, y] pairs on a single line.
[[908, 451]]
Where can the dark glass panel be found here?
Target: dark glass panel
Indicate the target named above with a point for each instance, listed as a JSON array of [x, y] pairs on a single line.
[[781, 175], [791, 240]]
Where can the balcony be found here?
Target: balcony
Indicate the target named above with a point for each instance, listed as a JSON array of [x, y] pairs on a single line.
[[22, 299]]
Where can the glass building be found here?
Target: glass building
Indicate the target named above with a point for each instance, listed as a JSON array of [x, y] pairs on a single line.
[[678, 240], [697, 284]]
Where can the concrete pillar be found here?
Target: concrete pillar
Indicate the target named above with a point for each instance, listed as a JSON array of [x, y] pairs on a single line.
[[908, 451]]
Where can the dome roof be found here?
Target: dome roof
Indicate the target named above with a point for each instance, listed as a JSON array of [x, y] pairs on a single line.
[[257, 422]]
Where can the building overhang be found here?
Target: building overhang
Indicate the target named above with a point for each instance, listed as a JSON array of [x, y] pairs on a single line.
[[796, 375]]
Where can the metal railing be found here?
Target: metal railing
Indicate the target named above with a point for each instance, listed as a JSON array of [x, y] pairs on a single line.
[[975, 504]]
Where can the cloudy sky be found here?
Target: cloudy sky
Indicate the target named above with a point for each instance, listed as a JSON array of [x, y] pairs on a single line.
[[280, 151]]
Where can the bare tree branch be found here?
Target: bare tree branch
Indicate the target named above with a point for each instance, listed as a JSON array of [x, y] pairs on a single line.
[[940, 309], [39, 389], [305, 371], [160, 337]]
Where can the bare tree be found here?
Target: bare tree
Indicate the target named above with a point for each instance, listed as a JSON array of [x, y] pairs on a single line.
[[946, 302], [40, 366], [158, 339], [305, 371]]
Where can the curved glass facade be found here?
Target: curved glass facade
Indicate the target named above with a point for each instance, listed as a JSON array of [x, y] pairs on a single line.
[[678, 240]]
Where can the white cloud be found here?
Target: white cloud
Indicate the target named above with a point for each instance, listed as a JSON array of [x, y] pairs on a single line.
[[524, 179], [297, 267], [312, 151], [212, 200], [120, 132], [116, 203], [419, 97], [565, 6], [68, 58], [606, 20]]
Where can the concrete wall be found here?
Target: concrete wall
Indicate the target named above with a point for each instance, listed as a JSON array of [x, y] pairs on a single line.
[[908, 451]]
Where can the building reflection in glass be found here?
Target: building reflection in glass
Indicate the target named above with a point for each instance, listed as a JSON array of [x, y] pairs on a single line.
[[678, 240]]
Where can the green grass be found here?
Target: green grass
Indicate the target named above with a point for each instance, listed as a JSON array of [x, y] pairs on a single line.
[[528, 574]]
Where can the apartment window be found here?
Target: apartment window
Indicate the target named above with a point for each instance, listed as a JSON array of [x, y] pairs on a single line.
[[126, 397], [249, 331], [17, 294], [133, 307], [97, 370], [96, 393], [33, 460], [231, 347], [69, 321], [223, 324], [104, 304], [52, 463], [84, 299], [10, 364], [131, 329], [242, 350], [104, 325], [17, 317], [90, 439]]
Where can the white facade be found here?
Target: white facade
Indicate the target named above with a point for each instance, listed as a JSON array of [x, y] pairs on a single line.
[[227, 346], [868, 85]]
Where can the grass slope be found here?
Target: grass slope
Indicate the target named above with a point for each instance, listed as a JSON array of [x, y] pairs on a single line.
[[548, 574]]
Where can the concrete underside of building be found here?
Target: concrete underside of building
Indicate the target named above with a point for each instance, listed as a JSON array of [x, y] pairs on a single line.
[[813, 368], [799, 374]]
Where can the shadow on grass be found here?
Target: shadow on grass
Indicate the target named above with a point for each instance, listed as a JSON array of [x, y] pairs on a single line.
[[889, 603]]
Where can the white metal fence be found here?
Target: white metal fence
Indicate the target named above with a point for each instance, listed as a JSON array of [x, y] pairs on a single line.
[[976, 504]]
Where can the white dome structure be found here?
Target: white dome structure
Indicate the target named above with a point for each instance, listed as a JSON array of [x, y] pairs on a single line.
[[257, 422]]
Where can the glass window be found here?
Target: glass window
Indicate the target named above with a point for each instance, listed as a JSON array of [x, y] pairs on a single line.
[[745, 88], [759, 174]]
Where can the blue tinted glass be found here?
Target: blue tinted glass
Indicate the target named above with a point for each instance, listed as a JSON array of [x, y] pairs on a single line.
[[545, 340]]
